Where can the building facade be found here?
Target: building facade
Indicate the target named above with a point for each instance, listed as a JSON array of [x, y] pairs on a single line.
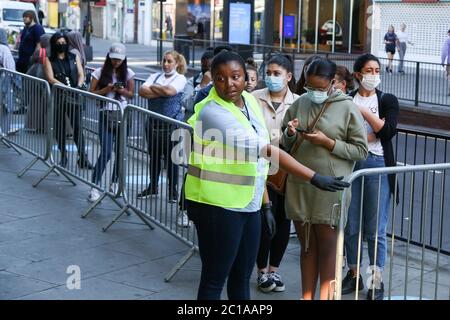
[[427, 23]]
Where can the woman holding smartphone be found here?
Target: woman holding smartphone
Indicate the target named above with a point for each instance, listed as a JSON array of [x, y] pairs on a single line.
[[114, 80]]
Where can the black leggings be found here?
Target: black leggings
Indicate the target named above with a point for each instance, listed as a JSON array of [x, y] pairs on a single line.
[[228, 242], [159, 143], [73, 112], [277, 246]]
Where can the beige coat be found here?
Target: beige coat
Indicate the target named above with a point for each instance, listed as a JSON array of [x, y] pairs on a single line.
[[272, 117]]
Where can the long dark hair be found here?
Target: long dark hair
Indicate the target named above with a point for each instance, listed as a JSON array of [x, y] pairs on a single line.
[[53, 52], [107, 73]]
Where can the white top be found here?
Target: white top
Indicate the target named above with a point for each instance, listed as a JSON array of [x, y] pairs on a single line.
[[402, 36], [123, 100], [215, 120], [177, 81], [370, 103]]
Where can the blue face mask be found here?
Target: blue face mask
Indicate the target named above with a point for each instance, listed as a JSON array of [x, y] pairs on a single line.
[[274, 84], [317, 96]]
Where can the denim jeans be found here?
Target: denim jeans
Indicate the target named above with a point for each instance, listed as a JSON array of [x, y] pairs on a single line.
[[228, 242], [108, 141], [369, 214]]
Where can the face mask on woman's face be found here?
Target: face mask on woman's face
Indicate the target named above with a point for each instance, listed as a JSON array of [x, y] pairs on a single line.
[[171, 73], [370, 81], [61, 47], [275, 84], [317, 96]]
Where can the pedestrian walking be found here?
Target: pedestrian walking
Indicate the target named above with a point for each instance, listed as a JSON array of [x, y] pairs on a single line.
[[65, 68], [224, 191], [274, 100], [334, 138], [445, 57], [391, 42], [116, 81], [403, 41], [30, 38], [380, 112]]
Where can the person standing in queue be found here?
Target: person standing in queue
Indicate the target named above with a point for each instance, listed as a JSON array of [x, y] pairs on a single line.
[[226, 179]]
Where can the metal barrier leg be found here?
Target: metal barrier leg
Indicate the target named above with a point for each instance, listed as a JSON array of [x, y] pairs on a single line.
[[117, 217], [9, 145], [92, 207], [28, 167], [179, 264], [50, 170]]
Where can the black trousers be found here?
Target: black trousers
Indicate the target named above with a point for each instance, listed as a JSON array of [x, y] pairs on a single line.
[[228, 242], [159, 144], [73, 113], [277, 246]]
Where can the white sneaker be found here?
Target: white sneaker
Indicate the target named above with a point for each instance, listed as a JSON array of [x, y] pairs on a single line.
[[183, 220], [114, 188], [94, 195]]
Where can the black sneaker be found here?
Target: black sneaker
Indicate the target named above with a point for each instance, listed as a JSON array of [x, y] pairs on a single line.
[[265, 282], [84, 164], [378, 294], [349, 283], [148, 192], [279, 285]]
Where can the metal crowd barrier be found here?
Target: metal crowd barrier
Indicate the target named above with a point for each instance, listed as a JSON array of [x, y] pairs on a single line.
[[418, 267], [155, 156], [24, 122]]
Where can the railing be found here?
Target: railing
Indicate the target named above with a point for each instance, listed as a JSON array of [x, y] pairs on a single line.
[[422, 82]]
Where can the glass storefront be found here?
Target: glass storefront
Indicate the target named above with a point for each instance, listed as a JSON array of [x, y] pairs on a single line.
[[307, 24]]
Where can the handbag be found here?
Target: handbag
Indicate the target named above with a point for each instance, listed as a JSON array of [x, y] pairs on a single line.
[[277, 181]]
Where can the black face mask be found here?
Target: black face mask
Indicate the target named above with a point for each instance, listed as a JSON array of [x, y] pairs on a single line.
[[61, 48]]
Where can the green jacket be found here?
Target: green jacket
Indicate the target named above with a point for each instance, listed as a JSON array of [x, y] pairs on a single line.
[[341, 121]]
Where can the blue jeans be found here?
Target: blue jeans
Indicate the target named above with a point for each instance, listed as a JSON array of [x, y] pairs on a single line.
[[228, 242], [369, 214], [108, 141]]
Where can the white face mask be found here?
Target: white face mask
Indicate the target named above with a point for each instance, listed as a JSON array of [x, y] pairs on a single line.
[[171, 73], [370, 81]]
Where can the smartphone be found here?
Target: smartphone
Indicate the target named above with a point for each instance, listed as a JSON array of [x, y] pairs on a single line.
[[119, 85], [302, 130]]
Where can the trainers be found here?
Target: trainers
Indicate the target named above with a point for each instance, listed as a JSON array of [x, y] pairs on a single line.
[[114, 188], [276, 278], [94, 195], [265, 282], [378, 294], [148, 192], [349, 283], [183, 220]]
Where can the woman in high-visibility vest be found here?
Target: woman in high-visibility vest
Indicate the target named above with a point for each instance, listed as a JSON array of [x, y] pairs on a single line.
[[226, 177]]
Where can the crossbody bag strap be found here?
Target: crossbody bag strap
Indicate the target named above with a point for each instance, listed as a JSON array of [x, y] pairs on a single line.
[[310, 127]]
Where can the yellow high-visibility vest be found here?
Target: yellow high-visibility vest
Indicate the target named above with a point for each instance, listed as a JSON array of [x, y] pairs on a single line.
[[218, 174]]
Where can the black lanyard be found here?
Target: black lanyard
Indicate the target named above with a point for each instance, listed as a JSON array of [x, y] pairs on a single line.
[[247, 114]]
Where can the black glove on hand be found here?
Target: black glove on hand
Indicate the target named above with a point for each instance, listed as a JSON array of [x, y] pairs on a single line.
[[329, 183], [268, 220]]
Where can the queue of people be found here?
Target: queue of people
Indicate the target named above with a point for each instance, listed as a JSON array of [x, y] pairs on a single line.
[[318, 130]]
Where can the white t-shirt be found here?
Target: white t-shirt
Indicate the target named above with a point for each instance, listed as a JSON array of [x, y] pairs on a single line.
[[370, 103], [123, 100], [402, 36], [177, 81]]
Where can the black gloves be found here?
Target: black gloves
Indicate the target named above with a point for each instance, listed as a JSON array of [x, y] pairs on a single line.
[[328, 183], [268, 220]]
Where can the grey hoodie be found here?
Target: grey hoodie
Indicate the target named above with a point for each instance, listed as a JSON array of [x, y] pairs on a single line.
[[6, 58]]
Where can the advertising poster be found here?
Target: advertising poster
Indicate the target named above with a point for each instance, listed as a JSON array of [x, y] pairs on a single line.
[[240, 23]]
